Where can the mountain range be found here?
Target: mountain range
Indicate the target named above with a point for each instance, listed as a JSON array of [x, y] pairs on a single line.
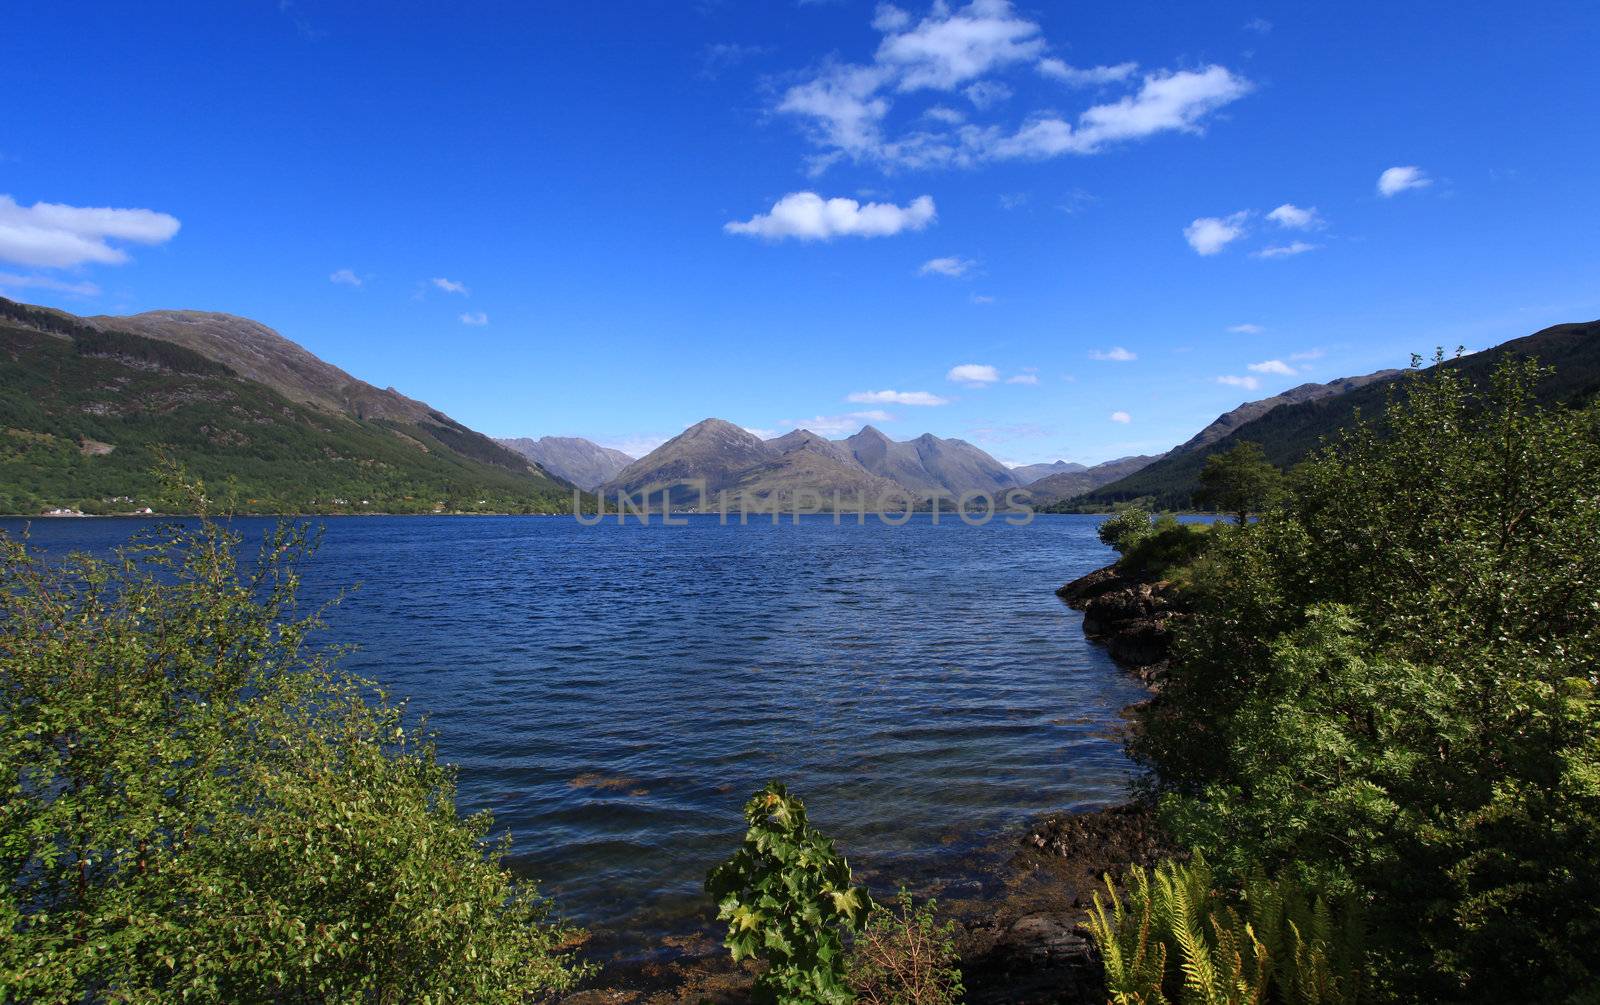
[[90, 407]]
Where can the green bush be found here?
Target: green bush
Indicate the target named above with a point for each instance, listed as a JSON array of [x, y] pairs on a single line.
[[787, 899], [200, 806], [1389, 685], [904, 956], [1168, 548], [1174, 938], [1124, 530]]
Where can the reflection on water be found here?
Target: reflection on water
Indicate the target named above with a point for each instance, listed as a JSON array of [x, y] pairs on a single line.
[[614, 693]]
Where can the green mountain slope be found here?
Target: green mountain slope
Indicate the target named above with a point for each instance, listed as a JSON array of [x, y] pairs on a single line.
[[1289, 432], [86, 410]]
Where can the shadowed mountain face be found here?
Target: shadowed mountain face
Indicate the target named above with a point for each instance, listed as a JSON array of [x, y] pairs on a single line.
[[1027, 474], [1250, 411], [1288, 432], [88, 407], [1067, 484], [582, 462], [257, 353], [868, 468]]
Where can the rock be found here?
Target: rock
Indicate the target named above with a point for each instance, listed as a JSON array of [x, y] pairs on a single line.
[[1133, 617]]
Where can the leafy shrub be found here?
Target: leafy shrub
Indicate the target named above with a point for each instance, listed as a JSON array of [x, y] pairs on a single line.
[[1169, 547], [1389, 685], [1240, 481], [1176, 939], [1124, 530], [199, 806], [787, 899], [904, 956]]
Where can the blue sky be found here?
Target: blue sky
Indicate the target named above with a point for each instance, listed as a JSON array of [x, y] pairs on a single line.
[[1058, 231]]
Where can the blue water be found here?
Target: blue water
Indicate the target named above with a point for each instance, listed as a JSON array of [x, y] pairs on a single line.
[[614, 693]]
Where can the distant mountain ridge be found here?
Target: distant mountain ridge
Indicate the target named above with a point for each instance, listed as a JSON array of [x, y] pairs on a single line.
[[1027, 474], [801, 465], [1070, 484], [582, 462], [1289, 431], [89, 405]]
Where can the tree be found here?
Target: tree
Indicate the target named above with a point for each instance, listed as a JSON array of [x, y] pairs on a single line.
[[1240, 480], [200, 806], [1389, 685]]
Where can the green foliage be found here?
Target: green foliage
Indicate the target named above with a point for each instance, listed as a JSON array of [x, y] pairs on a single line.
[[1240, 480], [1169, 549], [1174, 938], [65, 393], [787, 899], [1124, 530], [903, 956], [1389, 685], [200, 806]]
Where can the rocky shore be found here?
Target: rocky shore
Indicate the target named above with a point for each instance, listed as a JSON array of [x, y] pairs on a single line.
[[1131, 615]]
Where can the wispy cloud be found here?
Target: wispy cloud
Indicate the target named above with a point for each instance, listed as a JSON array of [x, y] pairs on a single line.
[[1248, 383], [450, 286], [806, 216], [1285, 250], [1094, 76], [53, 235], [717, 59], [1276, 366], [1246, 329], [1121, 416], [1259, 25], [477, 318], [973, 374], [345, 277], [1023, 378], [1116, 354], [924, 398], [1210, 234], [12, 281], [982, 298], [952, 266], [1400, 179]]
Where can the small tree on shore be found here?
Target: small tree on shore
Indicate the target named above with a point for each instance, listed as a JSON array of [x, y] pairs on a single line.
[[1240, 481]]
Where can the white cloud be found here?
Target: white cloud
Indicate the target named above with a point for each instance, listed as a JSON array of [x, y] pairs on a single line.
[[1398, 179], [1285, 250], [807, 216], [896, 398], [451, 286], [982, 298], [1246, 329], [12, 281], [975, 374], [52, 235], [846, 105], [1093, 76], [953, 266], [948, 48], [1115, 354], [1296, 217], [1276, 366], [1248, 383], [474, 318], [1260, 25], [345, 277], [1167, 102], [759, 433], [837, 425], [636, 445], [1023, 378], [1210, 234], [1122, 417], [1308, 354]]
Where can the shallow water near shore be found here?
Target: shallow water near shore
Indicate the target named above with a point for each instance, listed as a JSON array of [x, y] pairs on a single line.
[[613, 693]]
